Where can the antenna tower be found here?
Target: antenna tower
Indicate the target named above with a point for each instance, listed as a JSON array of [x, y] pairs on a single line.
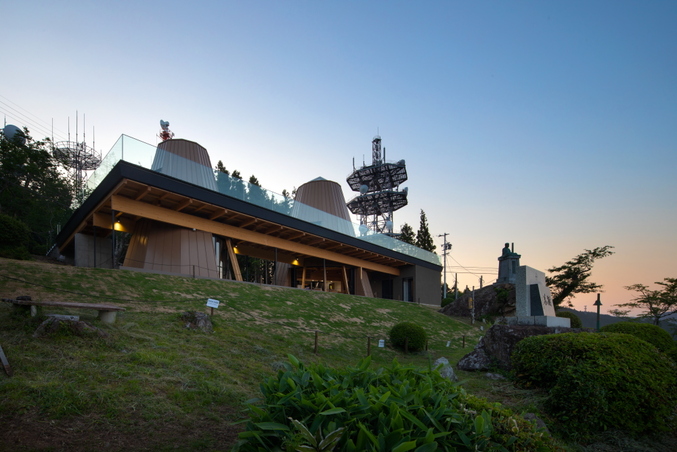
[[77, 156], [378, 185]]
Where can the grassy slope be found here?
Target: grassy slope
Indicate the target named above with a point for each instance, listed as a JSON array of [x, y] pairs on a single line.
[[155, 380], [155, 385]]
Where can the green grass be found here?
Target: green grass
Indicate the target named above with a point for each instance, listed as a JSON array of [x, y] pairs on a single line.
[[152, 384], [151, 370]]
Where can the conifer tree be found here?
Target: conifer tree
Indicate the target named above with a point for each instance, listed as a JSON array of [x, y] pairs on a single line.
[[423, 238], [407, 234]]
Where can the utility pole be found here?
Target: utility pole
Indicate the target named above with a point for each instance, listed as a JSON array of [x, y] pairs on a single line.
[[445, 247]]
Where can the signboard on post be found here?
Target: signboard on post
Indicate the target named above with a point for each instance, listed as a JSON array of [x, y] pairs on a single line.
[[212, 303]]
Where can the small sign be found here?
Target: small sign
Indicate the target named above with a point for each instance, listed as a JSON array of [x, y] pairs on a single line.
[[381, 343], [212, 303], [448, 343]]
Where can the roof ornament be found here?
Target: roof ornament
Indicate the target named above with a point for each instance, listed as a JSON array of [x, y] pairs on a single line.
[[165, 134]]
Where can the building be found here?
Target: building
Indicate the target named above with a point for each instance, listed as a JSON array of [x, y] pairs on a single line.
[[162, 209]]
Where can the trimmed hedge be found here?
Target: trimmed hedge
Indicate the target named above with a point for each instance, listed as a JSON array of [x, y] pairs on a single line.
[[388, 409], [599, 381], [408, 333], [653, 334], [575, 320]]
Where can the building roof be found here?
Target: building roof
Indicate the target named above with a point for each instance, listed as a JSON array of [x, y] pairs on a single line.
[[129, 192]]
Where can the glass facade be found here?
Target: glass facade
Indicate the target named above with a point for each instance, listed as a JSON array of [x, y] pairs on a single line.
[[143, 154]]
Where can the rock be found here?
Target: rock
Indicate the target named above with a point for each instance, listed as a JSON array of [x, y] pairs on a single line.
[[494, 376], [496, 346], [492, 300], [198, 321], [446, 371], [539, 422], [80, 328]]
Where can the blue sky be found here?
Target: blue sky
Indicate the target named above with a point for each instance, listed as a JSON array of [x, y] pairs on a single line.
[[549, 124]]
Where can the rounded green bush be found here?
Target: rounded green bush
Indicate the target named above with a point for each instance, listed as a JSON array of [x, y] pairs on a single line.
[[575, 320], [653, 334], [410, 333], [14, 238], [599, 381]]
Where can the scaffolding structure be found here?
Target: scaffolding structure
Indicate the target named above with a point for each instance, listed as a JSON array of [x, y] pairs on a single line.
[[380, 196]]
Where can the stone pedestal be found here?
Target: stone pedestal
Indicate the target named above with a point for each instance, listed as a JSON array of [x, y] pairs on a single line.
[[533, 301], [508, 264]]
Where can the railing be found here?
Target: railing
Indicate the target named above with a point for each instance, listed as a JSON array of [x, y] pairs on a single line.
[[139, 153]]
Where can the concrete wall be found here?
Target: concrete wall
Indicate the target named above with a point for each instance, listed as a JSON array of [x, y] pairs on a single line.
[[91, 252]]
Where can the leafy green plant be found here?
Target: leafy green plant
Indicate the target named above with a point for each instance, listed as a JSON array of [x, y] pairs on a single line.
[[392, 408], [599, 381], [653, 334], [575, 320], [317, 442], [408, 334]]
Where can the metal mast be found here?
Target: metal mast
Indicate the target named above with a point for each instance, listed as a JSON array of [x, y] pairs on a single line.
[[378, 185]]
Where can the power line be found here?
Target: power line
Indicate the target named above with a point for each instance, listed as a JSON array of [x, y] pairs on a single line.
[[16, 113]]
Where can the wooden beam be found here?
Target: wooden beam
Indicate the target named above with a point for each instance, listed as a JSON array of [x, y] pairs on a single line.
[[346, 288], [233, 261], [248, 223], [219, 213], [142, 193], [157, 213], [184, 204]]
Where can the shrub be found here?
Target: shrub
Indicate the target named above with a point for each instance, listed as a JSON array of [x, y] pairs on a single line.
[[598, 381], [410, 333], [575, 320], [653, 334], [389, 409], [14, 238], [446, 301]]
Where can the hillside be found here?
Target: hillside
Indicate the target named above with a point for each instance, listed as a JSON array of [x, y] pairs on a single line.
[[152, 384]]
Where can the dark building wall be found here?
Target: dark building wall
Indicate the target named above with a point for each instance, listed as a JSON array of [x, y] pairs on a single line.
[[415, 284]]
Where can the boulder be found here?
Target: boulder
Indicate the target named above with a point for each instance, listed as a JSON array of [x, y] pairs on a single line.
[[54, 325], [446, 370], [197, 321], [494, 300], [494, 349]]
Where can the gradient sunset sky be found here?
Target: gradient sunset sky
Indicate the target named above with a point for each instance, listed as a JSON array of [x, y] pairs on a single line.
[[552, 125]]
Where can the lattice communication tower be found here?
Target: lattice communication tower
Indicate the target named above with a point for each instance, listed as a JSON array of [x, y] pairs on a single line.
[[80, 158], [378, 185]]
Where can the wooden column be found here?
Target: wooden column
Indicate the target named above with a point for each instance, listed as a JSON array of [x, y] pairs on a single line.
[[233, 261]]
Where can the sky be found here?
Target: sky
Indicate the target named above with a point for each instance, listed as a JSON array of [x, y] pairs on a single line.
[[550, 125]]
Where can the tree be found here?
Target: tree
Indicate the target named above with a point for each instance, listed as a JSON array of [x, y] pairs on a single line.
[[423, 238], [407, 234], [34, 188], [254, 181], [573, 277], [656, 303], [221, 168]]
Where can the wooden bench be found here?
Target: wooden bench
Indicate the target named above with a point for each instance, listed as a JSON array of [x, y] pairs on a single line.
[[107, 312]]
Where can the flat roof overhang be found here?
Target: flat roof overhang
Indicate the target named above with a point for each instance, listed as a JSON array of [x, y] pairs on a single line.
[[130, 192]]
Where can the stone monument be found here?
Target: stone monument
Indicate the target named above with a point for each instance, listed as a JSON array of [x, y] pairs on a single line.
[[508, 263], [533, 301]]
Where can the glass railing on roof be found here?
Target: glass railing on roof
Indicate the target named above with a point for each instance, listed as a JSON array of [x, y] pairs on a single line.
[[147, 156]]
